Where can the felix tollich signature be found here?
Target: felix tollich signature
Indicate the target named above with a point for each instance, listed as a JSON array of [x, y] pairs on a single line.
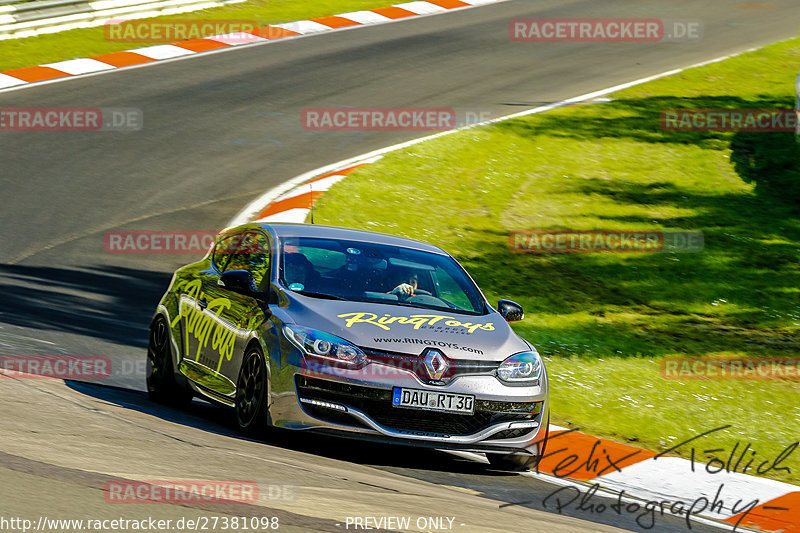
[[716, 465], [599, 462]]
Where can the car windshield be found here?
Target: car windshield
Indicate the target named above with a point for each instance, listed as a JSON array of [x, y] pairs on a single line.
[[366, 272]]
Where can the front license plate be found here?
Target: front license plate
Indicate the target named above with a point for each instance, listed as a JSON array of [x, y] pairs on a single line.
[[433, 401]]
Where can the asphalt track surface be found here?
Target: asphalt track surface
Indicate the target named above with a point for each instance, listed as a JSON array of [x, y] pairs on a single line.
[[222, 128]]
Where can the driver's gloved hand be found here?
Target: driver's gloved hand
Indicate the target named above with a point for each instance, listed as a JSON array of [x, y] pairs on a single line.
[[403, 288]]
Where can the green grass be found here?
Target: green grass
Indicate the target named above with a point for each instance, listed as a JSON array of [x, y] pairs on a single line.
[[603, 321], [86, 42]]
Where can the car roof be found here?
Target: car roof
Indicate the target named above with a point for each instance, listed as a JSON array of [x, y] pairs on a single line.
[[284, 230]]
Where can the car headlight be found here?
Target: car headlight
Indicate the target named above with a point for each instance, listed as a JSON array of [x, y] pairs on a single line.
[[324, 345], [521, 367]]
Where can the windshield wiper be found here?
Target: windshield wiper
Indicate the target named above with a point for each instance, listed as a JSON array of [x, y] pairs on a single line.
[[401, 303], [406, 304], [320, 295]]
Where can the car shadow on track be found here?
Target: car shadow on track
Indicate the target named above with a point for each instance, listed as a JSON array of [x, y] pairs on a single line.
[[214, 419], [110, 303]]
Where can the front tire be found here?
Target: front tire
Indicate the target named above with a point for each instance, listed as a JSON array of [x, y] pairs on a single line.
[[161, 385], [252, 410]]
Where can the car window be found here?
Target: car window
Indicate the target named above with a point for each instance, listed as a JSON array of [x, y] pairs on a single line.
[[322, 259], [449, 289], [244, 250], [369, 272]]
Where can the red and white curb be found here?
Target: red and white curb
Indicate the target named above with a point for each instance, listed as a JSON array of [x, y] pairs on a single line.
[[295, 205], [21, 77], [677, 485], [670, 485], [650, 486]]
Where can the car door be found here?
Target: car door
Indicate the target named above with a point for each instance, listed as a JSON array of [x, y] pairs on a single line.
[[227, 318], [239, 315]]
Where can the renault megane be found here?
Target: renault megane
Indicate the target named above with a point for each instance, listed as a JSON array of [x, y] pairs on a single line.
[[368, 335]]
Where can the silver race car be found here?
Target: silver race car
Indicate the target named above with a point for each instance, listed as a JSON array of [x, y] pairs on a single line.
[[368, 335]]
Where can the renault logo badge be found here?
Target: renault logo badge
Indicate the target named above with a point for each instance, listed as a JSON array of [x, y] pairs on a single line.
[[435, 363]]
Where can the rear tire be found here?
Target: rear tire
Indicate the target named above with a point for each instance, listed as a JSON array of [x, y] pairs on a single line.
[[252, 391], [520, 463], [161, 385]]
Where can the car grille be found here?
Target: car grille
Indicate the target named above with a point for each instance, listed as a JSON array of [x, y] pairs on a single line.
[[416, 364], [377, 405]]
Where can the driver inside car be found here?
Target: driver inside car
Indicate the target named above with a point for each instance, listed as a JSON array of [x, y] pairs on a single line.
[[407, 287]]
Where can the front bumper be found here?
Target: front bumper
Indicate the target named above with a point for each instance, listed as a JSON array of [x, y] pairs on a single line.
[[506, 419]]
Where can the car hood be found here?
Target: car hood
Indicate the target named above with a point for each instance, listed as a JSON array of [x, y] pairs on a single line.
[[408, 330]]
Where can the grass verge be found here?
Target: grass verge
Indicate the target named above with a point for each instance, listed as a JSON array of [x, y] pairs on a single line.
[[604, 321], [86, 42]]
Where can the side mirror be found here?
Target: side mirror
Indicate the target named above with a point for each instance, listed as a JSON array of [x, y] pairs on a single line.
[[240, 281], [509, 310]]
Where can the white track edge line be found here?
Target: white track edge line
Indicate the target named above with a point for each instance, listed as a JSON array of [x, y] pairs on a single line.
[[257, 205]]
